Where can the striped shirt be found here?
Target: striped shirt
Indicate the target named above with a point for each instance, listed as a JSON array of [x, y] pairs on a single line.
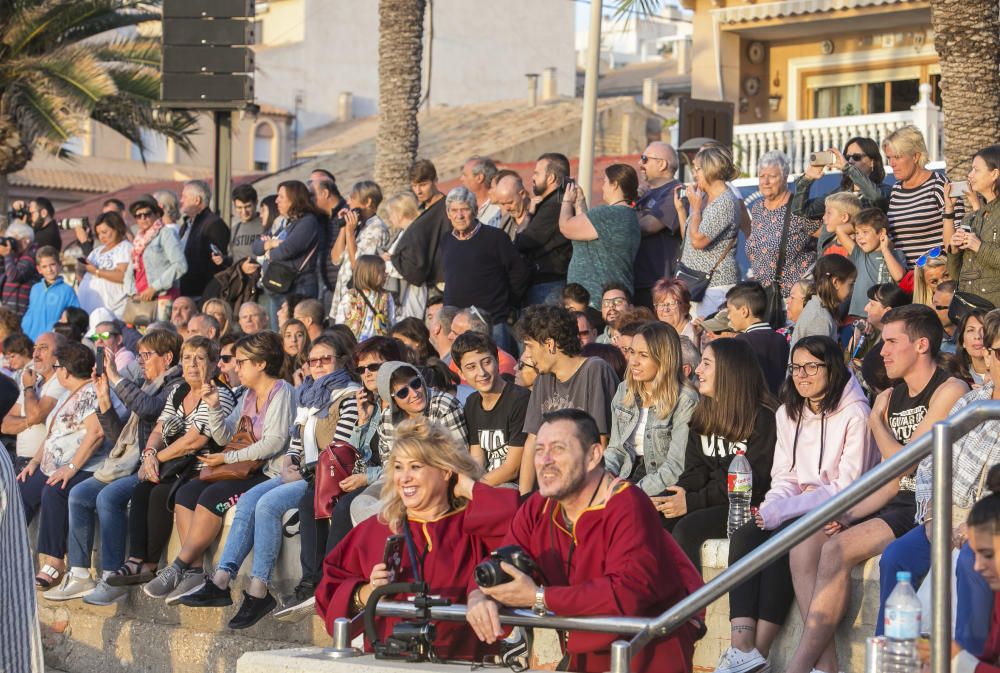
[[20, 640], [174, 411], [915, 222]]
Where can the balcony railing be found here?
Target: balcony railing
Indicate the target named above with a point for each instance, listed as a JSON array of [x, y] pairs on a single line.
[[798, 139]]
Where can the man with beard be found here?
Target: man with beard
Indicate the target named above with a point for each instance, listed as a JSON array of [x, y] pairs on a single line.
[[600, 548], [546, 249], [615, 300]]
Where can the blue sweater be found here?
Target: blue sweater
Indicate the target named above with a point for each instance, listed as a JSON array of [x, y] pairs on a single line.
[[46, 305]]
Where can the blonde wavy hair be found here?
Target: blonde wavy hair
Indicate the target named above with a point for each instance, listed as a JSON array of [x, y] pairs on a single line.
[[922, 292], [908, 140], [432, 444], [665, 348]]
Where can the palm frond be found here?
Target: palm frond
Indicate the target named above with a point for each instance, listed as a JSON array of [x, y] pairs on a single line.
[[141, 52], [54, 23], [43, 118], [141, 82], [79, 76], [636, 8], [130, 116]]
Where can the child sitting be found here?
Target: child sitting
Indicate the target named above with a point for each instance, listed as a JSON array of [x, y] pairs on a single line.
[[840, 210], [871, 251], [49, 297], [367, 309]]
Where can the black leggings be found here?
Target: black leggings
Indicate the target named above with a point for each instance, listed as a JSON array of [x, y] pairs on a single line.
[[320, 536], [693, 529], [150, 520], [768, 595]]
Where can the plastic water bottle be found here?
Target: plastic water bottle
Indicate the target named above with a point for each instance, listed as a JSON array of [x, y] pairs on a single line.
[[740, 490], [902, 628]]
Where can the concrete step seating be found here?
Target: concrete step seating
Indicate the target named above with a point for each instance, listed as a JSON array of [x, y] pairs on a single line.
[[142, 635]]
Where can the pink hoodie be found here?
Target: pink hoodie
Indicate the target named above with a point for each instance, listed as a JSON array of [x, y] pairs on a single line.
[[832, 451]]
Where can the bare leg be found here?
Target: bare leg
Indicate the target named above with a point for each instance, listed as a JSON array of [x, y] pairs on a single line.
[[766, 634], [743, 632], [222, 578], [257, 588], [182, 519], [205, 527], [804, 560], [829, 601]]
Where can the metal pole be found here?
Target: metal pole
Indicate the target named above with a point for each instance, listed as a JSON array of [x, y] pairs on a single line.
[[585, 173], [518, 617], [223, 188], [941, 551], [620, 656]]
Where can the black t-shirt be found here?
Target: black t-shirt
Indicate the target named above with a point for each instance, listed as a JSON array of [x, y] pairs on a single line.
[[500, 427], [905, 413], [658, 252]]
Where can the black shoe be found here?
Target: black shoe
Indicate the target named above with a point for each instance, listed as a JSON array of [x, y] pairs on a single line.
[[292, 606], [208, 596], [252, 611]]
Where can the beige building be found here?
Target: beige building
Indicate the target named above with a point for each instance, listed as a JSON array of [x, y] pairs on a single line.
[[804, 73]]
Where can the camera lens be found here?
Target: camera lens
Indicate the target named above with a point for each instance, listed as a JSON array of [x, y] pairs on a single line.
[[485, 574]]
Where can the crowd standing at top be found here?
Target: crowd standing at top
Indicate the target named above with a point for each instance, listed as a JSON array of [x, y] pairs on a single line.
[[444, 354]]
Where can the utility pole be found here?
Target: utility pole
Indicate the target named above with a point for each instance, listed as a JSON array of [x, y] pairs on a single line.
[[585, 174]]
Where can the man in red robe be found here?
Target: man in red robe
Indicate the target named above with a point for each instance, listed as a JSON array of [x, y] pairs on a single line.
[[601, 550]]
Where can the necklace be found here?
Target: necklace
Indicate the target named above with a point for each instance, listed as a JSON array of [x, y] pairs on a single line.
[[617, 202]]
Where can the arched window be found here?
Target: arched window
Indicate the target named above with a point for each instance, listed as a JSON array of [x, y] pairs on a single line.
[[263, 147]]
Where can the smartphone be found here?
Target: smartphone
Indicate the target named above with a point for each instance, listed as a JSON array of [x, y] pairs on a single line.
[[215, 249], [822, 158], [959, 188], [99, 364], [81, 262], [567, 181], [392, 557]]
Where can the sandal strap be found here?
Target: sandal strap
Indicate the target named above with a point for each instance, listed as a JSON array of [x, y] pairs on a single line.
[[50, 571], [129, 569]]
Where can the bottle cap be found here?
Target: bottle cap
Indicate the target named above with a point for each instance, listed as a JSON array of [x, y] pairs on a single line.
[[903, 576]]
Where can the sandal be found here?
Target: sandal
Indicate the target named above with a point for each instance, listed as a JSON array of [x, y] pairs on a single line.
[[48, 577], [130, 573]]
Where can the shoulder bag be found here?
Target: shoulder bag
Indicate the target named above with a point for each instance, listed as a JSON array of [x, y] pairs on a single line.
[[243, 469], [336, 462], [279, 277], [775, 314], [698, 281]]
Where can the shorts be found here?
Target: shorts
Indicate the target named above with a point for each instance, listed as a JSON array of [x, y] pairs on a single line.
[[899, 514], [218, 497]]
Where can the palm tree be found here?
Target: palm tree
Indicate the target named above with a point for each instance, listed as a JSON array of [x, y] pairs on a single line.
[[966, 36], [400, 50], [61, 65]]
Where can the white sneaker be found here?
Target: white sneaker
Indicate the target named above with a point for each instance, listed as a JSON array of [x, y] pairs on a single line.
[[735, 661], [71, 587]]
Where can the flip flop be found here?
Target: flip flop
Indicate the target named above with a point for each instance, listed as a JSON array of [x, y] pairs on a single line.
[[47, 577]]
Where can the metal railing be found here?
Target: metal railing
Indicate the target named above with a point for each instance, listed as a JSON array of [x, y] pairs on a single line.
[[644, 630]]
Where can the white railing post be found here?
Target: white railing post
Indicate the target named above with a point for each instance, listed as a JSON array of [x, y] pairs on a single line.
[[926, 118]]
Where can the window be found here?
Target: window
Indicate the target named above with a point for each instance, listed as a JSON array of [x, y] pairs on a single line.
[[263, 143], [837, 101], [905, 94]]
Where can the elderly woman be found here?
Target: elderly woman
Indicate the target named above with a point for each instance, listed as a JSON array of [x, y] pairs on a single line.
[[170, 207], [20, 270], [862, 173], [772, 223], [103, 280], [449, 520], [156, 266], [606, 238], [364, 233], [711, 229], [68, 456], [326, 411], [169, 460], [974, 253], [266, 413], [916, 202], [672, 302], [411, 300]]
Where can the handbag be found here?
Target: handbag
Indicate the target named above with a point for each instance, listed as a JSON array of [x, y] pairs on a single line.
[[138, 312], [279, 277], [698, 281], [775, 313], [335, 464], [243, 469]]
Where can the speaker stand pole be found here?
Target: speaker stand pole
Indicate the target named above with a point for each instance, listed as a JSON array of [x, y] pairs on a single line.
[[223, 188]]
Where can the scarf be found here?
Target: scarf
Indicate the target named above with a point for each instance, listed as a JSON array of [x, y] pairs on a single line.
[[316, 394], [143, 238]]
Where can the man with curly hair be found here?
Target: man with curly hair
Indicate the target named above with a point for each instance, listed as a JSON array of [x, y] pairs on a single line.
[[566, 379]]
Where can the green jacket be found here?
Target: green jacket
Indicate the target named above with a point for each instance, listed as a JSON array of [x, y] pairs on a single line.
[[979, 272]]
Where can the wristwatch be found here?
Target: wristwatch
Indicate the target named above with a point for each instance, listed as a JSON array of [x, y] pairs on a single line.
[[539, 607], [71, 466]]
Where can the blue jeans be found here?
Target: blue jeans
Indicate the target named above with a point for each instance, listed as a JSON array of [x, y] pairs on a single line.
[[257, 527], [912, 552], [109, 502], [544, 293]]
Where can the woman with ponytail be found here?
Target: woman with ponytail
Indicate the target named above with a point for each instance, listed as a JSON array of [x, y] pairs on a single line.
[[835, 276], [606, 238]]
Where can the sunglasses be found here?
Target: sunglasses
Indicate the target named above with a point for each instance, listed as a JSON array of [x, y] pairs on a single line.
[[226, 358], [144, 215], [855, 157], [521, 364], [415, 385], [933, 253], [645, 159], [97, 336], [370, 368], [321, 360]]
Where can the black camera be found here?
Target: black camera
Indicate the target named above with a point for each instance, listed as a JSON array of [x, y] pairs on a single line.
[[410, 641], [490, 574], [8, 240], [21, 213]]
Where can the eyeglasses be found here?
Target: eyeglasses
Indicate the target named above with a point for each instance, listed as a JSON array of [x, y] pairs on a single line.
[[145, 355], [941, 308], [644, 159], [933, 253], [370, 368], [415, 385], [809, 369], [855, 157], [321, 360], [97, 336], [239, 361], [616, 302], [662, 306], [584, 332], [226, 358], [144, 215], [57, 366], [521, 364]]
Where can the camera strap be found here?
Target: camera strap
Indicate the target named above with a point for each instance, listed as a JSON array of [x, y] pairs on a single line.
[[416, 560]]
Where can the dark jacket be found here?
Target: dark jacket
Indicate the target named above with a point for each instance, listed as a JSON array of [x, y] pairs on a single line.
[[300, 250], [330, 230], [207, 228], [20, 274], [233, 286], [547, 250], [418, 256], [48, 234], [771, 350]]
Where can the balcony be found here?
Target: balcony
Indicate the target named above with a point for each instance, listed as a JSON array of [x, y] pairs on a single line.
[[798, 139]]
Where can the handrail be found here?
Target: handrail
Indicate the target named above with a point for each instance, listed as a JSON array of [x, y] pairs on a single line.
[[647, 629]]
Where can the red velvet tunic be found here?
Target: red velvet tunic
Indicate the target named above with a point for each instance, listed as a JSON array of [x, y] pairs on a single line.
[[622, 563], [456, 543]]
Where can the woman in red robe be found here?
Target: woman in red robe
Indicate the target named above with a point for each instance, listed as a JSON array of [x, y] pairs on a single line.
[[454, 522]]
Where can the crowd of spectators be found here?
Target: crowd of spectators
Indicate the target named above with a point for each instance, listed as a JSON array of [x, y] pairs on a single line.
[[506, 364]]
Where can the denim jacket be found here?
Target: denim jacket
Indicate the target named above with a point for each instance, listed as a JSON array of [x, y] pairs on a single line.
[[361, 439], [164, 261], [664, 442]]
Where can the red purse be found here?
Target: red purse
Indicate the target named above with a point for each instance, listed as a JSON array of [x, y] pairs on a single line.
[[336, 462]]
